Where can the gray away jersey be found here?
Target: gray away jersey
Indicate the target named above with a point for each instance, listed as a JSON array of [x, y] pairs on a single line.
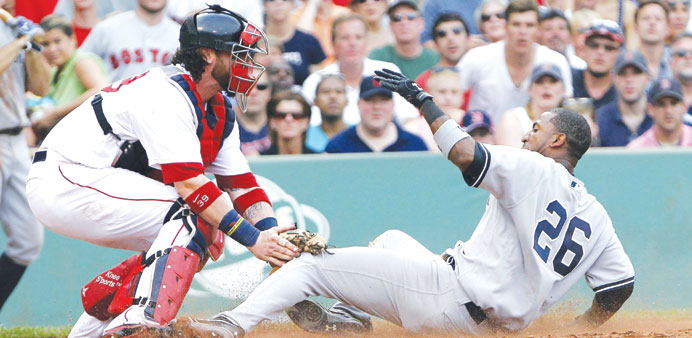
[[540, 233]]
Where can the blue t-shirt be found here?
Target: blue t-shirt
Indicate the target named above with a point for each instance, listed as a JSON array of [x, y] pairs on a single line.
[[579, 88], [301, 51], [348, 141], [316, 139], [253, 143], [612, 129]]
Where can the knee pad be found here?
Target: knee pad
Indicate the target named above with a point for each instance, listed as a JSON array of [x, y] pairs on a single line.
[[98, 294]]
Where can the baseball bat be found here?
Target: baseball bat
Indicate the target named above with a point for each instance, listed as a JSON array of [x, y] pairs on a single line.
[[7, 18]]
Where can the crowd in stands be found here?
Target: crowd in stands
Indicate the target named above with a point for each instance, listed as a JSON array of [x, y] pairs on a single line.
[[492, 65]]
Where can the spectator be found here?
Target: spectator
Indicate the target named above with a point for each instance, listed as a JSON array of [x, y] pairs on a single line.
[[349, 36], [289, 118], [679, 18], [76, 74], [624, 120], [281, 75], [376, 131], [547, 90], [85, 18], [603, 42], [651, 21], [434, 8], [20, 70], [667, 108], [316, 17], [450, 36], [444, 84], [584, 107], [134, 41], [580, 21], [407, 52], [490, 17], [330, 98], [502, 69], [681, 65], [478, 125], [300, 49], [555, 34], [253, 127], [372, 11]]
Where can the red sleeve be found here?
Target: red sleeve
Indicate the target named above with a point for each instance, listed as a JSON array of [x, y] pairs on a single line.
[[176, 172], [242, 181]]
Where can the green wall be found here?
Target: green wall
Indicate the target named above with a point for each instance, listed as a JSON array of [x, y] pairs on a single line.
[[353, 198]]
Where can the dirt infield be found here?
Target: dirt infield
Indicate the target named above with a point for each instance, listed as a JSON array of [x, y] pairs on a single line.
[[626, 325]]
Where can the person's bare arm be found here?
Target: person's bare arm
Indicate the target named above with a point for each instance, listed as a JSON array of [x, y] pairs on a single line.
[[37, 73], [605, 304]]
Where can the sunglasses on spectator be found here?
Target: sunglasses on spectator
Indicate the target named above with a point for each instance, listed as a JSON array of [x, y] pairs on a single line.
[[398, 16], [262, 86], [358, 2], [607, 47], [487, 17], [682, 52], [442, 33], [283, 115], [673, 4]]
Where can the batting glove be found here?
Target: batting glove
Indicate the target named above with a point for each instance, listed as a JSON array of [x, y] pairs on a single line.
[[402, 85], [22, 26]]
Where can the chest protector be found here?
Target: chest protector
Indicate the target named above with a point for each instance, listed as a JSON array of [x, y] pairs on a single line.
[[214, 124]]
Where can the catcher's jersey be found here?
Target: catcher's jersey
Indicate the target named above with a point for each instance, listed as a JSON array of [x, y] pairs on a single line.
[[541, 231], [151, 108]]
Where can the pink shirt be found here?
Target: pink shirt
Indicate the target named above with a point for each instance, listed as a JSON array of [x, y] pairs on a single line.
[[648, 139]]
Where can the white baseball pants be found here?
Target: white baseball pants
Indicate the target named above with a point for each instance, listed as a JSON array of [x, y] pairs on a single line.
[[396, 279]]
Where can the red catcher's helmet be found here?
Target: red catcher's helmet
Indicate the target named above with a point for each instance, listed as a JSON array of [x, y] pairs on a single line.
[[220, 29]]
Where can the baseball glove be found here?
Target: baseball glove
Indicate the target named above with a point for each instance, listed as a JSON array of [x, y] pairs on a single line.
[[306, 241]]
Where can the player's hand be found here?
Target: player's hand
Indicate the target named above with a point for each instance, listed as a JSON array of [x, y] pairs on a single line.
[[22, 26], [273, 249], [402, 85]]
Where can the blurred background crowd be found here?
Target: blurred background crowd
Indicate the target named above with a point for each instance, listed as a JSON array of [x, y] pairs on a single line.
[[492, 65]]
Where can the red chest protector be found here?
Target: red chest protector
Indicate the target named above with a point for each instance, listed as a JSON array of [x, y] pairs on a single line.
[[215, 121]]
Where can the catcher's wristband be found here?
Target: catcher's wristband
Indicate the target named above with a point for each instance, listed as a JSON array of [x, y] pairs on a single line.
[[266, 223], [420, 98], [448, 135], [236, 227]]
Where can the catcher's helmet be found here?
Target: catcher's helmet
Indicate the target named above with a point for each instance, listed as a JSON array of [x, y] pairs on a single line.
[[220, 29]]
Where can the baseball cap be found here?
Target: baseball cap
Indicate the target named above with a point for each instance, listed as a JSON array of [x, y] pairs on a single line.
[[665, 87], [630, 58], [606, 28], [474, 119], [369, 88], [549, 69], [396, 4]]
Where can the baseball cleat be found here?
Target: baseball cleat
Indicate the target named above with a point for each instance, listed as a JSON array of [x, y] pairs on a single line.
[[139, 331], [313, 317], [217, 327]]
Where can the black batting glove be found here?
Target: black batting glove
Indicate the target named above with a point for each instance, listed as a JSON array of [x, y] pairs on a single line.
[[403, 86]]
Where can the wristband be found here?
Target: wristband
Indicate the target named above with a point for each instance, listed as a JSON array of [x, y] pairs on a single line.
[[448, 135], [203, 197], [244, 201], [266, 223], [239, 229]]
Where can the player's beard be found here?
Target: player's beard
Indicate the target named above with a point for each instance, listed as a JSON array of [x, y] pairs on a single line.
[[221, 73]]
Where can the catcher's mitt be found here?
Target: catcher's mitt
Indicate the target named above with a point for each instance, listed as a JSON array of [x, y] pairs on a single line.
[[306, 241]]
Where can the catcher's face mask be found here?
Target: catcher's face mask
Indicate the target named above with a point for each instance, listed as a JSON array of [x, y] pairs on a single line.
[[245, 71]]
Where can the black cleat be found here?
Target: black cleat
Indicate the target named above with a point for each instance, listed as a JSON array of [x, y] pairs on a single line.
[[313, 317], [217, 327]]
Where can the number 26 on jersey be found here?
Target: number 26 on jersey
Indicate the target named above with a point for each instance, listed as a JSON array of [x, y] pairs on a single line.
[[567, 244]]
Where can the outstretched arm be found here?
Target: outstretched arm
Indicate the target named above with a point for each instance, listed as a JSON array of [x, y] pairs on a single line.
[[604, 306], [455, 143]]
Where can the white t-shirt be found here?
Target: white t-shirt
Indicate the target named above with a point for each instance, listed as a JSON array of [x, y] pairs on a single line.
[[128, 46], [540, 233], [484, 69], [152, 109], [402, 109], [522, 116]]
